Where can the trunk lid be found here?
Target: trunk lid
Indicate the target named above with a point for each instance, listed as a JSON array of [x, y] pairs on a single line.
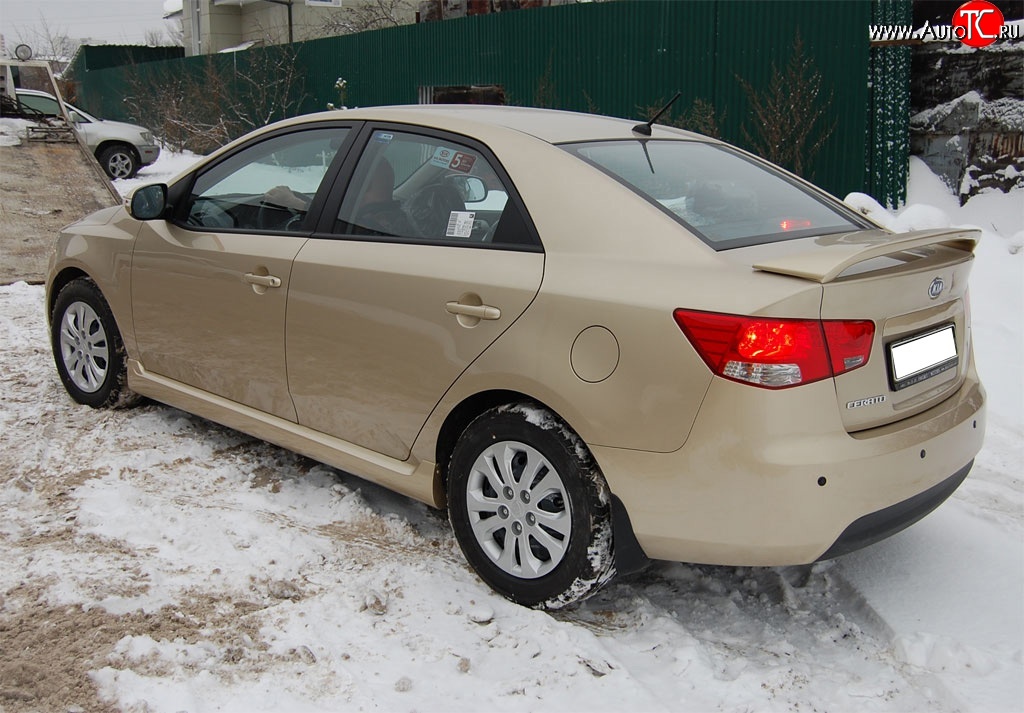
[[913, 286]]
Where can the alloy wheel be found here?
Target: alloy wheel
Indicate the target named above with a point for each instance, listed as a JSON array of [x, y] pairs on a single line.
[[84, 348]]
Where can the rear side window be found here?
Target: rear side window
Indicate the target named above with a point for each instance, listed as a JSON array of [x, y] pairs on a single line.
[[722, 197], [429, 188]]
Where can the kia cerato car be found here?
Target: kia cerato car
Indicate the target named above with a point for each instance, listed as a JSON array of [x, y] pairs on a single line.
[[592, 345]]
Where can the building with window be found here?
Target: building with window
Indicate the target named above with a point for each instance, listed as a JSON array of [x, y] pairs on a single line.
[[212, 26]]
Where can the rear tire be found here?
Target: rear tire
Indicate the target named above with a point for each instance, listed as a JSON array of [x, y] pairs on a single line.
[[530, 508], [87, 347]]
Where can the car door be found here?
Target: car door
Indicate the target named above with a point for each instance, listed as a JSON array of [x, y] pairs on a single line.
[[404, 286], [209, 288], [90, 132]]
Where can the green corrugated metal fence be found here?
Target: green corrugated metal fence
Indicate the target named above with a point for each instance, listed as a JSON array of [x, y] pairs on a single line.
[[94, 57], [619, 58]]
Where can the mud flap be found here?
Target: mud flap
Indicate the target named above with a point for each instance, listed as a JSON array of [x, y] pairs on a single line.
[[629, 556]]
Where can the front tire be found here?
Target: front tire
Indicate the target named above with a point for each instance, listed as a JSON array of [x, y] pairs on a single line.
[[530, 508], [87, 347], [119, 161]]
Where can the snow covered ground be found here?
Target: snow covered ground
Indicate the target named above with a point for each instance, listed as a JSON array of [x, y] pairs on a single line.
[[153, 561]]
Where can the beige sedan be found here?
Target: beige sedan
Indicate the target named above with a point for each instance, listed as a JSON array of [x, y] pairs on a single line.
[[592, 342]]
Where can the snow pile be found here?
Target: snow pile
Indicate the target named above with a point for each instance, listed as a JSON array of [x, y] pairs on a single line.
[[153, 561], [971, 140], [971, 112], [1006, 113], [914, 217], [952, 116], [167, 168], [13, 131]]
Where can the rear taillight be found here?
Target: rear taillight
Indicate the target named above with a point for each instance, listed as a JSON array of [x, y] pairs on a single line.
[[776, 353], [849, 343]]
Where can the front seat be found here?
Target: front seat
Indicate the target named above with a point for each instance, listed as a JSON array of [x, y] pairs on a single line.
[[378, 213], [430, 209]]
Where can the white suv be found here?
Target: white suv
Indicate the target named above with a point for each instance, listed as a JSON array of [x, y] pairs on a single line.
[[122, 149]]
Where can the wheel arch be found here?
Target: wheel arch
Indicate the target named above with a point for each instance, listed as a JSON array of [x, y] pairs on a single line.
[[110, 143], [455, 423], [114, 292], [59, 281], [629, 555]]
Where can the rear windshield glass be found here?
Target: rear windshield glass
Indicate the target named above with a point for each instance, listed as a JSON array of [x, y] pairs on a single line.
[[724, 198]]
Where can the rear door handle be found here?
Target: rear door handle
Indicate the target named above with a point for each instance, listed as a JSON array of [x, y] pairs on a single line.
[[478, 311], [262, 280]]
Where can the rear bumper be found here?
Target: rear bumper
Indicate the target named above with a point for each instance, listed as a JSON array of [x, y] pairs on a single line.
[[760, 481], [887, 522]]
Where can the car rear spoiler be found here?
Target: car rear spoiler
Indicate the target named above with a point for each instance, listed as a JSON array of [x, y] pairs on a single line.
[[834, 254]]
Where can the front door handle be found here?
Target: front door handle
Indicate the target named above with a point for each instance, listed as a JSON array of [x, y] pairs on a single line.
[[262, 280], [477, 311]]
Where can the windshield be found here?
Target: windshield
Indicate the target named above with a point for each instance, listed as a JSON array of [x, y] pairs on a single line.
[[722, 197], [46, 104]]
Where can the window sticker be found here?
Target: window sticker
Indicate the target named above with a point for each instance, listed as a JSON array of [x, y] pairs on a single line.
[[442, 156], [454, 160], [382, 138], [460, 224], [462, 162]]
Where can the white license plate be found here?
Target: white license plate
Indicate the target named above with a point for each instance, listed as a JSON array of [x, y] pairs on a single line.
[[918, 358]]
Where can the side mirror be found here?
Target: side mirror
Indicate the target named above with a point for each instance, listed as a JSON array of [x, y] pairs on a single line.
[[471, 188], [148, 202], [75, 117]]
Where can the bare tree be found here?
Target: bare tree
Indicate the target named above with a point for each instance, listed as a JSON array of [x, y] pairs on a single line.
[[49, 43], [271, 87], [181, 109], [261, 34], [168, 36], [369, 15], [202, 110], [791, 113]]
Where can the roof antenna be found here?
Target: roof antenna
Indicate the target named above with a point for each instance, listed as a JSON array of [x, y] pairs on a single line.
[[645, 129]]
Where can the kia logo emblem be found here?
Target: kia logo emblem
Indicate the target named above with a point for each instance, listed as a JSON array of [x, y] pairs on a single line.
[[935, 289]]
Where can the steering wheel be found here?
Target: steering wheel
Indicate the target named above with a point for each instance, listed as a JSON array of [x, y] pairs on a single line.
[[489, 235], [431, 207], [266, 218], [207, 214]]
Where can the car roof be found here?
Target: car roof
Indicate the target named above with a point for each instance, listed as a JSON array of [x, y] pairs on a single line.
[[548, 125], [69, 105]]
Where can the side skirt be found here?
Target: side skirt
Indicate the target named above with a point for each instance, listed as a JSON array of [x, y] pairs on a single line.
[[412, 478]]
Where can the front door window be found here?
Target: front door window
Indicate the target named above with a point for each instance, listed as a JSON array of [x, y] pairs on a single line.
[[267, 187]]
